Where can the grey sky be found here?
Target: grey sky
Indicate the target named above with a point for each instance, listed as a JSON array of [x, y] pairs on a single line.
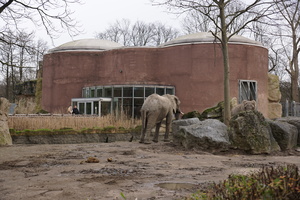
[[96, 15]]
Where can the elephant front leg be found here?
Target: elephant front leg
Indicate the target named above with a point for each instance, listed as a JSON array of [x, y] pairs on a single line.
[[155, 138]]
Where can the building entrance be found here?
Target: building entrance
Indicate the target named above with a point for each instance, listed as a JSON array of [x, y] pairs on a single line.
[[93, 106]]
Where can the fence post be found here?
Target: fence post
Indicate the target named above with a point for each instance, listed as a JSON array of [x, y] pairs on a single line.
[[286, 108], [297, 107], [293, 107]]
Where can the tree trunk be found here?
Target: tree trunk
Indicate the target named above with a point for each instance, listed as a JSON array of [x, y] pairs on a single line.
[[227, 113], [294, 86], [294, 71]]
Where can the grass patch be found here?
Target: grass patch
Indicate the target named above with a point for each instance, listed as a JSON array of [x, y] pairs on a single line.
[[86, 124], [64, 131]]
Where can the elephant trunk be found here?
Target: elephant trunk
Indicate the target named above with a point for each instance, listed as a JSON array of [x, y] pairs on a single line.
[[177, 113]]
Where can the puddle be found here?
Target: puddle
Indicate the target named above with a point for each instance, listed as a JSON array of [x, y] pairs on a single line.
[[176, 186]]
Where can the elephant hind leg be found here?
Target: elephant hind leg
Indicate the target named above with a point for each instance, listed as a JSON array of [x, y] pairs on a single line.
[[155, 138], [168, 123], [144, 137], [145, 129], [144, 126]]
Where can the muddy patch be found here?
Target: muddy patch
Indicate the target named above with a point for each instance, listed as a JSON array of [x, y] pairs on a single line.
[[160, 171]]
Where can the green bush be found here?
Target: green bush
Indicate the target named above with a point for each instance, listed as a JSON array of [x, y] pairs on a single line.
[[282, 182]]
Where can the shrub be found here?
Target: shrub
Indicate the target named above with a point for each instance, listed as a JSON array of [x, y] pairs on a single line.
[[282, 182]]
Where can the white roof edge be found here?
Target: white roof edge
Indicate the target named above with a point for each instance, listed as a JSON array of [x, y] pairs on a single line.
[[207, 37], [188, 43]]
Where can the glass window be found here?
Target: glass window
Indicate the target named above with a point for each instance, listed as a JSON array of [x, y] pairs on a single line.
[[130, 99], [160, 91], [107, 92], [88, 108], [87, 92], [96, 107], [149, 91], [137, 107], [127, 91], [127, 106], [170, 91], [83, 93], [117, 92], [247, 90], [138, 91], [81, 108], [117, 103], [99, 92], [105, 108], [92, 92]]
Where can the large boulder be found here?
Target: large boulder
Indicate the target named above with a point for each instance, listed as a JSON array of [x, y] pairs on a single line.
[[274, 94], [274, 97], [250, 131], [183, 122], [192, 114], [294, 121], [285, 134], [5, 137], [208, 134], [275, 110], [4, 105]]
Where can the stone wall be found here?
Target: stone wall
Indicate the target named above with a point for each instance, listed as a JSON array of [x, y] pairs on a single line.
[[274, 97]]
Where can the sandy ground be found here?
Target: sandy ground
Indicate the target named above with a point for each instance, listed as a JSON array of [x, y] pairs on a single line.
[[138, 171]]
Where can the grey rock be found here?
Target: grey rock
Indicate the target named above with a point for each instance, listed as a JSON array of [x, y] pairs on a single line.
[[285, 134], [250, 131], [183, 122], [177, 137], [208, 134], [294, 121]]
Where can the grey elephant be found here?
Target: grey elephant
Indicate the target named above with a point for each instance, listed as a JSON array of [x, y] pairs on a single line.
[[154, 110]]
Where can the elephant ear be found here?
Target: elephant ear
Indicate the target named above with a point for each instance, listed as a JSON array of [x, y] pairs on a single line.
[[175, 104]]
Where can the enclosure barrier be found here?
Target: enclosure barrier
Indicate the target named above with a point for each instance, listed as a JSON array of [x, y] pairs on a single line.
[[291, 109]]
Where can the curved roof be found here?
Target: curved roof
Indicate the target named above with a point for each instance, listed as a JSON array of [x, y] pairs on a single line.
[[206, 37], [87, 45]]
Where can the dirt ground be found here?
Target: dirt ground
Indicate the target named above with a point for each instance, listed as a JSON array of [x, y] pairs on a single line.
[[138, 171]]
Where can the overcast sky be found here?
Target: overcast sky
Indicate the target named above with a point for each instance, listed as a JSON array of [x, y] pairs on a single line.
[[96, 15]]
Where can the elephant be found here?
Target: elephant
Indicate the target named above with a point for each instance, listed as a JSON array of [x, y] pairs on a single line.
[[154, 110], [244, 106]]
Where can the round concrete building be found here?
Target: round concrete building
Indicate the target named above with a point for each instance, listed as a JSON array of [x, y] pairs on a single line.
[[101, 76]]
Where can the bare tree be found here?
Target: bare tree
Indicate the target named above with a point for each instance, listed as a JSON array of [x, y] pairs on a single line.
[[163, 34], [288, 30], [138, 34], [19, 56], [17, 49], [228, 17], [39, 12], [196, 22], [264, 32]]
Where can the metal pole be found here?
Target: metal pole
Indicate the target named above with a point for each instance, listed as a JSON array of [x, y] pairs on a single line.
[[286, 108]]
